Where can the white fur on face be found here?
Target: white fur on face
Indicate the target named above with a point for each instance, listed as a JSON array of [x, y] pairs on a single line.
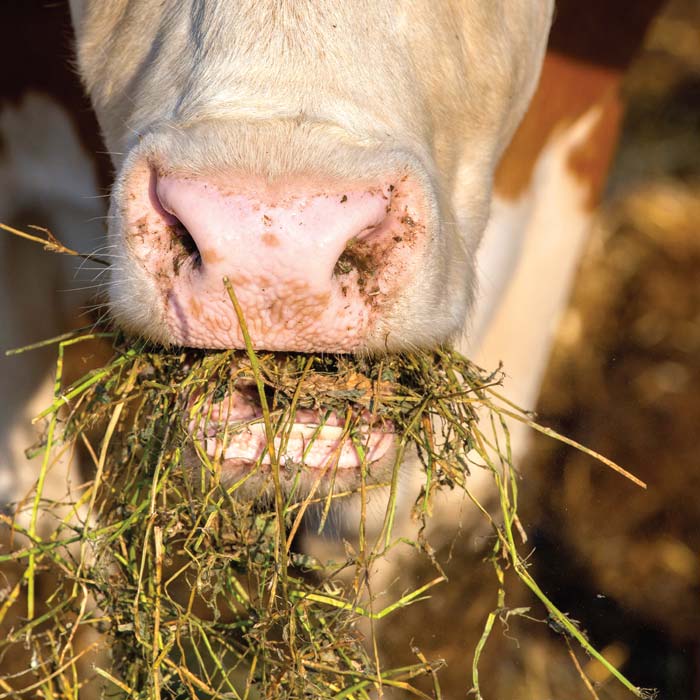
[[435, 87]]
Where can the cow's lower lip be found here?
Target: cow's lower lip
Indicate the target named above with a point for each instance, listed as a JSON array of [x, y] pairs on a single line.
[[233, 435]]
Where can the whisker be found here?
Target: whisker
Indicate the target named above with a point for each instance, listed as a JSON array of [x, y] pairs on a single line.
[[101, 218]]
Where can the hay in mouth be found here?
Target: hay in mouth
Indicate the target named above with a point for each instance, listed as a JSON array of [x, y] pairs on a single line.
[[177, 574], [188, 565]]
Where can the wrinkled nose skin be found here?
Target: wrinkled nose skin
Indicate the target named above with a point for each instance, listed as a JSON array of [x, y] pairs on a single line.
[[315, 266]]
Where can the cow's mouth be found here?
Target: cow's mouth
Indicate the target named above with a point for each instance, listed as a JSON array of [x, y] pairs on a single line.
[[231, 433]]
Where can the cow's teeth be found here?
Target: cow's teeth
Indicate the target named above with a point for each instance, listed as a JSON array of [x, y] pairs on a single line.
[[302, 431]]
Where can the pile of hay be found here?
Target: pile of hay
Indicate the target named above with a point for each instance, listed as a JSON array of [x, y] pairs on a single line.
[[182, 587]]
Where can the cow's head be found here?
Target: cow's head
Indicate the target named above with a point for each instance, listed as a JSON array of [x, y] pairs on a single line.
[[333, 159]]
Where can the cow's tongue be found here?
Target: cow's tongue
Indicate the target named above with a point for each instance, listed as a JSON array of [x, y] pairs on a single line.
[[232, 431]]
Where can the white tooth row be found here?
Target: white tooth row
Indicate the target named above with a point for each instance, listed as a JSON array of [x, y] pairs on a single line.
[[308, 442], [304, 430]]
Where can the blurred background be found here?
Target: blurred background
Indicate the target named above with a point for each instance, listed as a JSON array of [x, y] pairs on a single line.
[[624, 379]]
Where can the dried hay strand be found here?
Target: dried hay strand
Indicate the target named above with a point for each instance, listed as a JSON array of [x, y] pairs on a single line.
[[189, 582]]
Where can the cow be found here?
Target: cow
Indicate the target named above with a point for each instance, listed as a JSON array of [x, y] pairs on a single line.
[[371, 177]]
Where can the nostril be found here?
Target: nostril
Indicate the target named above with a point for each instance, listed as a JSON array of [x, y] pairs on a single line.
[[181, 242], [183, 246], [357, 256]]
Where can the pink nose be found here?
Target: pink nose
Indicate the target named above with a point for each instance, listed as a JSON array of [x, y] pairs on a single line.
[[314, 267]]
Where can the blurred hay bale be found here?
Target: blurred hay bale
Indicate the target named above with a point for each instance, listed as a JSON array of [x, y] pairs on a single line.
[[635, 368]]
